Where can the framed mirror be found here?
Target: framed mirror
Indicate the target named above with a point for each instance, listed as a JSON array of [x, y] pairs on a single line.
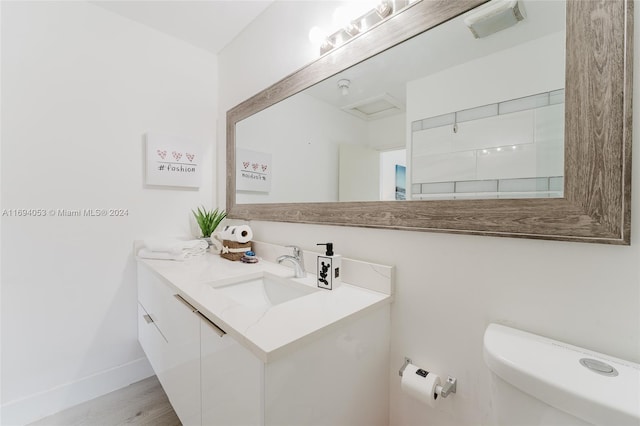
[[565, 179]]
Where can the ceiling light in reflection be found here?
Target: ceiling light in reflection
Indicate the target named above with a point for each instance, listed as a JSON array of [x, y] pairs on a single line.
[[343, 85]]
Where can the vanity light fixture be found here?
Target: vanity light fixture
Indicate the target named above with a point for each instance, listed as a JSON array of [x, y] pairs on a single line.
[[496, 16], [384, 9], [326, 45], [353, 27]]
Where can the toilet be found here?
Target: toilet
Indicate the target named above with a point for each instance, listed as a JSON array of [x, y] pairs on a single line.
[[540, 381]]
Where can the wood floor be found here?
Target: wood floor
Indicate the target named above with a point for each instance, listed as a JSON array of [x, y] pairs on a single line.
[[142, 403]]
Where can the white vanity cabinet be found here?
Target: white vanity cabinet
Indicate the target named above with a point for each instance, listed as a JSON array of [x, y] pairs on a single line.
[[339, 376], [340, 379], [208, 376]]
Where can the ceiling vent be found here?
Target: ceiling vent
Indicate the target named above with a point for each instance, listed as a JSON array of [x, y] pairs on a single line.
[[380, 106], [495, 16]]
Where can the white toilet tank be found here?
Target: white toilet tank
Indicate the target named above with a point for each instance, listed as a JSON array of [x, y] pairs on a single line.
[[539, 381]]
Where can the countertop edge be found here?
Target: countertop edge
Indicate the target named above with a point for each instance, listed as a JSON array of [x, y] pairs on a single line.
[[265, 356]]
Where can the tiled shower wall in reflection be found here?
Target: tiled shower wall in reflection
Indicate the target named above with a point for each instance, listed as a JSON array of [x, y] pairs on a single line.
[[508, 149]]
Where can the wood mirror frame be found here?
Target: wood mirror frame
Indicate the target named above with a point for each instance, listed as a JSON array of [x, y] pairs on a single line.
[[597, 194]]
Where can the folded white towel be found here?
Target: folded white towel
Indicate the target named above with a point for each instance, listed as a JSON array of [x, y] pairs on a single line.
[[162, 255], [174, 246]]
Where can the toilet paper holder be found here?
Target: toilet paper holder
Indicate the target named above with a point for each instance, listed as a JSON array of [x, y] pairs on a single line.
[[450, 386]]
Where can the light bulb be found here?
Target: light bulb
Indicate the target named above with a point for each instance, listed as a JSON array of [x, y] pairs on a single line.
[[384, 8], [317, 35], [353, 28], [341, 17]]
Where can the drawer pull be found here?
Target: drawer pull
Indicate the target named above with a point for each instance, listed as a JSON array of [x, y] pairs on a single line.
[[185, 303], [147, 318], [220, 332]]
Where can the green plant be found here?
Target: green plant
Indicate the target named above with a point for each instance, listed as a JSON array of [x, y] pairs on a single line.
[[208, 220]]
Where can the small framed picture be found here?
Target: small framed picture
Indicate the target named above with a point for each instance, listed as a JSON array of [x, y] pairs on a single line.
[[253, 171], [173, 161]]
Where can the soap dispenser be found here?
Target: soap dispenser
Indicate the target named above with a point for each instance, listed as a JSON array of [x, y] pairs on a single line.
[[328, 268]]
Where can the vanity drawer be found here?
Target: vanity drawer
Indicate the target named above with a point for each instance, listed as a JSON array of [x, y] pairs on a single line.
[[168, 311], [149, 285], [169, 332], [152, 341]]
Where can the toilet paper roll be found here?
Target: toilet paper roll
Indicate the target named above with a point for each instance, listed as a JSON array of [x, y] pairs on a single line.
[[422, 388], [240, 234]]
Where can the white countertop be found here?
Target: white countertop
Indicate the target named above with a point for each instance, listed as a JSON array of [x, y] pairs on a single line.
[[268, 333]]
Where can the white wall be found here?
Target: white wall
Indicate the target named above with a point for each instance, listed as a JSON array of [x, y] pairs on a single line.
[[80, 86], [449, 287]]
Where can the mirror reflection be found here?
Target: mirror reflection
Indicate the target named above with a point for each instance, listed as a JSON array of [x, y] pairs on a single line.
[[444, 115]]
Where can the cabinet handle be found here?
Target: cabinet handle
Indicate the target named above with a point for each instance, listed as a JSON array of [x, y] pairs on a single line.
[[184, 302], [147, 318], [220, 332]]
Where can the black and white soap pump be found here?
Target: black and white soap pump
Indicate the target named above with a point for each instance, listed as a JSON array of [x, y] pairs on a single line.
[[328, 268]]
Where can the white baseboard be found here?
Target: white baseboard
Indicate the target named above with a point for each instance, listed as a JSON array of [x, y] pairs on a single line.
[[43, 404]]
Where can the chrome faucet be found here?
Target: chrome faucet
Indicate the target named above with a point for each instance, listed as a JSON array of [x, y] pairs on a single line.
[[297, 259]]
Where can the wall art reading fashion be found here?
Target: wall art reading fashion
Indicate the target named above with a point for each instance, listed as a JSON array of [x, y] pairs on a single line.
[[173, 161]]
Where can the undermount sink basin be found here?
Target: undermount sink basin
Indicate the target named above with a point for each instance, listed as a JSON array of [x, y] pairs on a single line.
[[266, 291]]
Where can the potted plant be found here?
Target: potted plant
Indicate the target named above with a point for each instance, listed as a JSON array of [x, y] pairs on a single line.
[[208, 221]]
